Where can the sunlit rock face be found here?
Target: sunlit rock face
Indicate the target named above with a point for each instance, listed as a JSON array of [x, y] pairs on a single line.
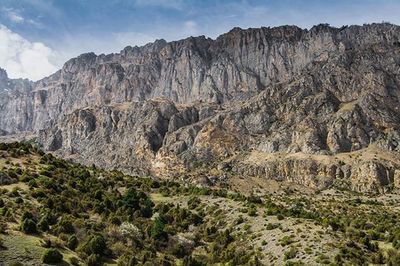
[[165, 107]]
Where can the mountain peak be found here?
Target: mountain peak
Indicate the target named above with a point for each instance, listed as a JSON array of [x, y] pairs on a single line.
[[3, 78], [292, 90], [3, 74]]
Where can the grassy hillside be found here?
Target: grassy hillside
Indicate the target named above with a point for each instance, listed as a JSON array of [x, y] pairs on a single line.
[[63, 213]]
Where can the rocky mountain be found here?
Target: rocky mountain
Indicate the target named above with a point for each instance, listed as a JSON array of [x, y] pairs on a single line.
[[316, 107], [16, 107]]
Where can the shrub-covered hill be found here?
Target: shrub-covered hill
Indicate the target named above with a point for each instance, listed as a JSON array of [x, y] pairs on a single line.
[[57, 212]]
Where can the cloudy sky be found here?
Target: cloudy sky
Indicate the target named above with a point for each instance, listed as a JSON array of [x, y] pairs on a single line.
[[38, 36]]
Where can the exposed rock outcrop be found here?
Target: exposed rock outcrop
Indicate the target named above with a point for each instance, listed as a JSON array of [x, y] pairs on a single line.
[[167, 107]]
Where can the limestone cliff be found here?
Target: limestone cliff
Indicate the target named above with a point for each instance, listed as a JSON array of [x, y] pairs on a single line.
[[167, 107]]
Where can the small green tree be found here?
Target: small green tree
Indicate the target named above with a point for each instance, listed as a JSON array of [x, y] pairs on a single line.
[[179, 251], [72, 242], [94, 245], [74, 261], [157, 231], [93, 260], [127, 260], [65, 226], [43, 224], [28, 226], [52, 256], [26, 215], [291, 253]]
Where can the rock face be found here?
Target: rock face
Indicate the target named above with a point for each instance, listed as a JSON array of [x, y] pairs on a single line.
[[165, 108], [16, 109]]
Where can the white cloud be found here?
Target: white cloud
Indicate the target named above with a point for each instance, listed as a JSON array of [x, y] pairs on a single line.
[[15, 16], [22, 58]]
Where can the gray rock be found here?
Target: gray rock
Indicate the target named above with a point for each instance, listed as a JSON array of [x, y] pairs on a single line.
[[165, 107]]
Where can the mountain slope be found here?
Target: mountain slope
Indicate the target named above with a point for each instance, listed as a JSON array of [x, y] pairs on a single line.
[[96, 217], [316, 107]]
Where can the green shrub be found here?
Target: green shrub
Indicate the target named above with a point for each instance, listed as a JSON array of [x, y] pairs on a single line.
[[239, 220], [72, 242], [179, 251], [28, 226], [3, 227], [52, 256], [193, 202], [291, 253], [127, 260], [43, 224], [19, 200], [93, 260], [252, 212], [254, 199], [271, 226], [4, 212], [74, 261], [114, 220], [286, 240], [26, 215], [46, 243], [16, 264], [94, 245], [65, 226], [157, 230]]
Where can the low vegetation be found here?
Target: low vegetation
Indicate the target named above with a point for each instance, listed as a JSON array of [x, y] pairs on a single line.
[[71, 214]]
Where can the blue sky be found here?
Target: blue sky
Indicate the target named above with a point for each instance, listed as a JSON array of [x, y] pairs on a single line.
[[38, 36]]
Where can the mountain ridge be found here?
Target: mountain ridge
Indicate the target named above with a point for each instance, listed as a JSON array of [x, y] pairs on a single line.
[[165, 107]]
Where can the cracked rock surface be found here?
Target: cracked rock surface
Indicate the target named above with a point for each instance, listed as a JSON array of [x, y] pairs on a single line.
[[314, 107]]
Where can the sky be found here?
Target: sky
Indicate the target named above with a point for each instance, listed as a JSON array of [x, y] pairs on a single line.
[[38, 36]]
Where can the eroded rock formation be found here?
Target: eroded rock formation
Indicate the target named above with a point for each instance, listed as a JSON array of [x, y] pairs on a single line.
[[279, 92]]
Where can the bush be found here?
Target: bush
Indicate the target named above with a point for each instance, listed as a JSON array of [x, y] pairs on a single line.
[[52, 256], [286, 240], [74, 261], [179, 251], [127, 260], [16, 264], [43, 224], [94, 245], [291, 253], [254, 199], [26, 215], [3, 227], [114, 220], [252, 212], [193, 202], [19, 200], [138, 200], [157, 231], [65, 226], [93, 260], [239, 220], [28, 226], [72, 242], [271, 226]]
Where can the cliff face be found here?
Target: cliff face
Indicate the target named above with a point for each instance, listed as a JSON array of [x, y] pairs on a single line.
[[167, 107], [16, 109]]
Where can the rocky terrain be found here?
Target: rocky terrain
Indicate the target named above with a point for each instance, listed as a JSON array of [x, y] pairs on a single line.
[[316, 107], [57, 212]]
